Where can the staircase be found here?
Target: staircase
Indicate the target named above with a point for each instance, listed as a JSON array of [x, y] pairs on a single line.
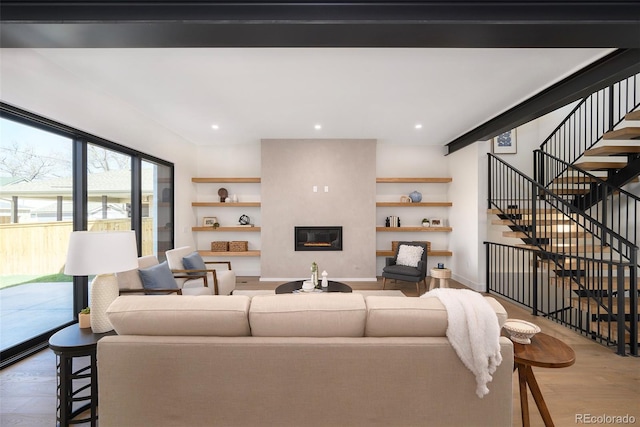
[[576, 256]]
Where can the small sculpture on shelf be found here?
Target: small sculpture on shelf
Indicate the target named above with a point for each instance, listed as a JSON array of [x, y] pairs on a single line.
[[325, 282]]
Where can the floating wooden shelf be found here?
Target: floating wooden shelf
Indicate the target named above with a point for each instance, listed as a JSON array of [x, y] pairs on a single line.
[[411, 229], [429, 253], [230, 254], [414, 205], [225, 204], [239, 180], [414, 180], [225, 229]]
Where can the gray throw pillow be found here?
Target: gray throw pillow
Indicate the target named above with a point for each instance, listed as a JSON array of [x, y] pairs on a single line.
[[194, 261], [158, 277]]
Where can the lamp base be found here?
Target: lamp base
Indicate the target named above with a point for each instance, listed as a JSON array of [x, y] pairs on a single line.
[[104, 290]]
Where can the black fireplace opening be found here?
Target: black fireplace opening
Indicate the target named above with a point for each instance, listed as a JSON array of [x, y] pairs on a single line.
[[318, 238]]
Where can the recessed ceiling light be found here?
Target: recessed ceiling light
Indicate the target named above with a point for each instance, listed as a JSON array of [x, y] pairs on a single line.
[[418, 126], [318, 127], [215, 127]]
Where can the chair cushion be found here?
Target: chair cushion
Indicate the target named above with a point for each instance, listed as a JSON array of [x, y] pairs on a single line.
[[131, 279], [158, 277], [308, 315], [194, 261], [402, 270], [181, 315], [409, 255]]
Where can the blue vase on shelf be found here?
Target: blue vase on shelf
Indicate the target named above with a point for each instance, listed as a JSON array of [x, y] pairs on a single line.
[[415, 196]]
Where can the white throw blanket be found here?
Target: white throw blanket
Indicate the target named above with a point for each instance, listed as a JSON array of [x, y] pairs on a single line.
[[473, 331]]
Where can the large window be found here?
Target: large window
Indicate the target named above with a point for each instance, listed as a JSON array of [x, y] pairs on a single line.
[[53, 180], [36, 217]]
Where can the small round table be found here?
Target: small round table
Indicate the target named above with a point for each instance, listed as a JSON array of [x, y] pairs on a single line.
[[289, 287], [67, 344], [544, 351], [444, 274]]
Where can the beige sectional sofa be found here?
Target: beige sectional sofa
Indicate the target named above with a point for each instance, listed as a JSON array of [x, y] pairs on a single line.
[[291, 360]]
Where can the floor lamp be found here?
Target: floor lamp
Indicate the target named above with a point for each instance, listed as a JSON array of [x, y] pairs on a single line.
[[102, 253]]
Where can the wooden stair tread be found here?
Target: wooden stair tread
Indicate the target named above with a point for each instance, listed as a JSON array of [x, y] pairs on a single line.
[[558, 221], [613, 150], [598, 166], [573, 250], [634, 115], [521, 211], [623, 133], [568, 191], [601, 328], [591, 305], [545, 234], [595, 283]]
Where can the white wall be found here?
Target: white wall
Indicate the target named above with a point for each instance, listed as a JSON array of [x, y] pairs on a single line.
[[33, 83]]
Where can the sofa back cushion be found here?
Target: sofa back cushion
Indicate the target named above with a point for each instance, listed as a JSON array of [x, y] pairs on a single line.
[[412, 317], [206, 315], [308, 315]]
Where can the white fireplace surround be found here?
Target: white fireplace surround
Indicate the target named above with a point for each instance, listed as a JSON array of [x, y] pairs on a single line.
[[295, 175]]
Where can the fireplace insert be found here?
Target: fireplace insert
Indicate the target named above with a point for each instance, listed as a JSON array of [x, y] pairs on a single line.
[[323, 238]]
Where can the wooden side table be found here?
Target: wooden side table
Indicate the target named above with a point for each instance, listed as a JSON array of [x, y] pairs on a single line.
[[444, 274], [545, 352], [67, 344]]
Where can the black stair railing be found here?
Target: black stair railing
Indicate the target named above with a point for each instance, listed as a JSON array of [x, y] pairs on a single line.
[[616, 209], [591, 118], [573, 248]]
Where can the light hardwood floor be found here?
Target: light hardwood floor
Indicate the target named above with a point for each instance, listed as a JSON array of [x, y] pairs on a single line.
[[599, 383]]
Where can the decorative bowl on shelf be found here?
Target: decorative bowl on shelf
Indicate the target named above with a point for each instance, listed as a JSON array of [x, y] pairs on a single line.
[[307, 286], [521, 331]]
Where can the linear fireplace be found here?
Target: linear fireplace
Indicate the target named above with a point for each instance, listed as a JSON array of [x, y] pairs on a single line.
[[318, 238]]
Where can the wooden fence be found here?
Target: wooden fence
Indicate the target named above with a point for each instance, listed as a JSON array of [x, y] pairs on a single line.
[[41, 247]]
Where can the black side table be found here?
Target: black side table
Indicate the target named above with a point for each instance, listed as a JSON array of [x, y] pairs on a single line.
[[67, 344]]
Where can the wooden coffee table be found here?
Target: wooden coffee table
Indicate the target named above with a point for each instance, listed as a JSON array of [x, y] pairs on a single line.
[[289, 287], [545, 352]]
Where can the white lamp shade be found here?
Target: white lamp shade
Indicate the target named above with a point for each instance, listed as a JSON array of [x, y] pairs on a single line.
[[99, 252]]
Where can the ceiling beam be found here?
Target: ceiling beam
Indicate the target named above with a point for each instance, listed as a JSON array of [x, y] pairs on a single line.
[[612, 68], [454, 23]]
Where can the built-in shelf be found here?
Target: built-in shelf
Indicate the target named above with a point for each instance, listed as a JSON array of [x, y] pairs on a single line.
[[412, 229], [230, 254], [429, 253], [414, 205], [414, 180], [225, 204], [238, 228], [239, 180]]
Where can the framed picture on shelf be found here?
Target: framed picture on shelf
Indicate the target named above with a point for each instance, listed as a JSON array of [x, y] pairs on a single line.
[[506, 143], [209, 221], [436, 222]]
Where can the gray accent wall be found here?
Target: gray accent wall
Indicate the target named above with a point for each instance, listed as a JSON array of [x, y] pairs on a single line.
[[290, 170]]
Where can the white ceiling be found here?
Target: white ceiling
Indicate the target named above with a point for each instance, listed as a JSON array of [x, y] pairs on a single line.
[[254, 93]]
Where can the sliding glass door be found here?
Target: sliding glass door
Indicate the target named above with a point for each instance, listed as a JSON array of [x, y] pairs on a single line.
[[53, 180], [36, 215]]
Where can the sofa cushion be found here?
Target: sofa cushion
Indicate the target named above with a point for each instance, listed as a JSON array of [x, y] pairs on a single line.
[[207, 315], [158, 277], [412, 317], [194, 261], [308, 315]]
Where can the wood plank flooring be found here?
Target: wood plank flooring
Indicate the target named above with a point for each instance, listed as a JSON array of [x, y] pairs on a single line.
[[599, 383]]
